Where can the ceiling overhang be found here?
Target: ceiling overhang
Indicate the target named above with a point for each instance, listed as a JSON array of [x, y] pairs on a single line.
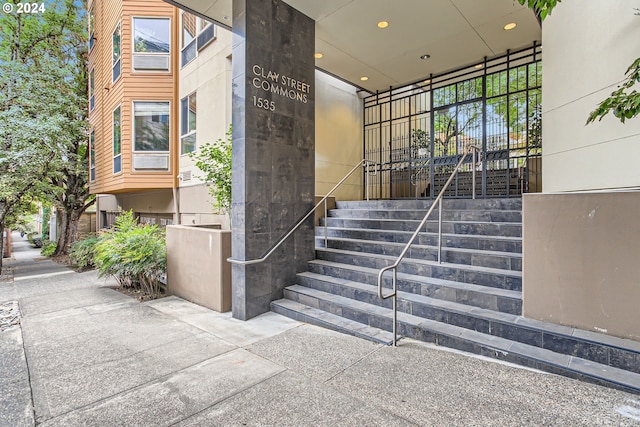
[[453, 33]]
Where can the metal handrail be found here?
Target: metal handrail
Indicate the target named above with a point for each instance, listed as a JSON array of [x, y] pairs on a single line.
[[471, 149], [273, 248]]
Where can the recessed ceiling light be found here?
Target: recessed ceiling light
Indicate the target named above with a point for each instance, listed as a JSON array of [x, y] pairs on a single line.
[[364, 78], [383, 24], [318, 55], [510, 26], [427, 81], [478, 66], [425, 56]]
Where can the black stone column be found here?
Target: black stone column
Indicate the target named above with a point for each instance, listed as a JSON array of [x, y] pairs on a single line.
[[273, 148]]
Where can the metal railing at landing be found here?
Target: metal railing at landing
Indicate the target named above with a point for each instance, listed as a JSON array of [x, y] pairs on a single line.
[[367, 172], [473, 150]]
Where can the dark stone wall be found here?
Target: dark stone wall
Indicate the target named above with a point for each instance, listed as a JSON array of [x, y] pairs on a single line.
[[273, 148]]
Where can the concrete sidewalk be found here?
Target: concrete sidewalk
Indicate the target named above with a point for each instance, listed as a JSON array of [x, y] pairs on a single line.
[[86, 354], [27, 263]]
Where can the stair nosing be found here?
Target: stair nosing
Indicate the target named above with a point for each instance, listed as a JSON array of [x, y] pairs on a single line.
[[477, 236], [474, 268], [444, 248]]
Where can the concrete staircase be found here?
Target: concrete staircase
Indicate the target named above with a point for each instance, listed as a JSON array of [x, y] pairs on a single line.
[[472, 301]]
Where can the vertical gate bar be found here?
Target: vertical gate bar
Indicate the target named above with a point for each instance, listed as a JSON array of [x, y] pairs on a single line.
[[391, 142], [483, 191], [431, 143], [508, 122]]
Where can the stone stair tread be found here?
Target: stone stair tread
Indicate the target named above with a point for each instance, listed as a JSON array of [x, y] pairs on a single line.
[[417, 278], [626, 379], [474, 268], [486, 314], [584, 335], [334, 322], [473, 236], [444, 248]]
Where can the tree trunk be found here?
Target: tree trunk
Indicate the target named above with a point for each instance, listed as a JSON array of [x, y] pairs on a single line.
[[69, 220], [1, 245]]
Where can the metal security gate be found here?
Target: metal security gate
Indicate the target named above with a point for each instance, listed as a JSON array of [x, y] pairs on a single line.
[[416, 133]]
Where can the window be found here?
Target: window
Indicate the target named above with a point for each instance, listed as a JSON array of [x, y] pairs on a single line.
[[92, 84], [116, 53], [188, 124], [151, 43], [92, 156], [117, 141], [196, 34], [92, 20], [151, 135]]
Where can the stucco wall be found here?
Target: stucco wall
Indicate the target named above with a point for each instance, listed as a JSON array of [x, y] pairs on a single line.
[[587, 47], [580, 264], [338, 136], [209, 75], [197, 267]]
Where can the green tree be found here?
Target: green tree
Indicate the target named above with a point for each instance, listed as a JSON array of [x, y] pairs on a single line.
[[43, 127]]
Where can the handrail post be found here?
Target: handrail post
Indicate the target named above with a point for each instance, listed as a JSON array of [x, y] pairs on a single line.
[[326, 238], [474, 152], [440, 231], [366, 179], [395, 306]]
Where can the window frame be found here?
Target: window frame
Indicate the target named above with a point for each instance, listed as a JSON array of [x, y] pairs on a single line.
[[113, 141], [140, 155], [135, 54], [92, 89], [196, 38], [185, 122], [91, 27], [116, 62], [92, 156]]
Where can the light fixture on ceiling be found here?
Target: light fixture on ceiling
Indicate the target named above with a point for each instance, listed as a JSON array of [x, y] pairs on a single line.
[[510, 26], [226, 18], [425, 56], [318, 55], [478, 66], [383, 24], [364, 78]]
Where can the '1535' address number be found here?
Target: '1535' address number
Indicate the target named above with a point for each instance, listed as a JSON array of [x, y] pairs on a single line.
[[264, 103]]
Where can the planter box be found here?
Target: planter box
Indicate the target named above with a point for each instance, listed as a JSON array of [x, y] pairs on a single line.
[[197, 267]]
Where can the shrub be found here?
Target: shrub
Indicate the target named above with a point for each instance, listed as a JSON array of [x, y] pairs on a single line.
[[48, 248], [83, 252], [35, 239], [135, 255]]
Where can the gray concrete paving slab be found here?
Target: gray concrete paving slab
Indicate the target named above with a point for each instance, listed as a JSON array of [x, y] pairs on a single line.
[[64, 300], [315, 352], [432, 387], [16, 408], [222, 325], [49, 285], [175, 397], [292, 399]]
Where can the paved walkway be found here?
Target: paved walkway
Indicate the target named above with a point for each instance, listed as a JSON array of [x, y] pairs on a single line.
[[86, 354]]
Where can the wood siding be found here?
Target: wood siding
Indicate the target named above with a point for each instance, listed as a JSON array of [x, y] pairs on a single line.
[[129, 87]]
